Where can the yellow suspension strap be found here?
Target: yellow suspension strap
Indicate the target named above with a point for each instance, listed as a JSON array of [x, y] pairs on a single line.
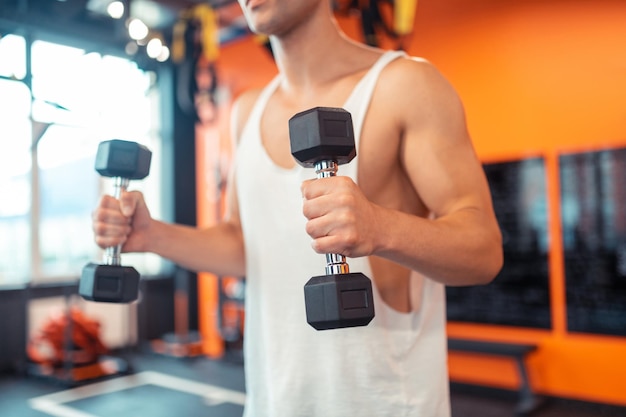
[[404, 16], [207, 22], [209, 31]]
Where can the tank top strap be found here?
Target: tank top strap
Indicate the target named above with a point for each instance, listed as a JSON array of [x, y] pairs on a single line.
[[359, 101], [254, 119]]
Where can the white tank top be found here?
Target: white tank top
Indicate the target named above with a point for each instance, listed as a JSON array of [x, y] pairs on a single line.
[[395, 366]]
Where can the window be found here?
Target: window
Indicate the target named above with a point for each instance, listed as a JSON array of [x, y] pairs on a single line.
[[519, 295], [78, 99], [593, 222], [13, 52]]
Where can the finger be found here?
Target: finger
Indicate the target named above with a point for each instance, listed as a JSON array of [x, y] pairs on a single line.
[[306, 189], [110, 216], [340, 223], [315, 188], [109, 242], [312, 189], [108, 201], [108, 211], [107, 235], [329, 244], [108, 229], [318, 227], [318, 207]]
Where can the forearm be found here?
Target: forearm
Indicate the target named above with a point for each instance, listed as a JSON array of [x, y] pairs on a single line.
[[218, 249], [463, 248]]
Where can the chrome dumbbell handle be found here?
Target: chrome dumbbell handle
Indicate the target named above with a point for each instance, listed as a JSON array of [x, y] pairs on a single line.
[[113, 254], [335, 263]]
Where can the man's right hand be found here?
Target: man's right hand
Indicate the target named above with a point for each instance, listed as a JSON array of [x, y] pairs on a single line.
[[125, 221]]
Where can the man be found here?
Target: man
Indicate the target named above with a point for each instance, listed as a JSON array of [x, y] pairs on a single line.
[[412, 212]]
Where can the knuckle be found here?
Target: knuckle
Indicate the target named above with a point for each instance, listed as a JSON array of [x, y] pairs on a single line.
[[317, 247], [99, 228], [310, 229], [97, 215], [344, 182], [352, 239], [108, 201], [101, 242], [307, 210], [348, 218], [345, 200]]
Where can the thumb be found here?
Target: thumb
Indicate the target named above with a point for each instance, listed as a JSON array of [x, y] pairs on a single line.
[[129, 202]]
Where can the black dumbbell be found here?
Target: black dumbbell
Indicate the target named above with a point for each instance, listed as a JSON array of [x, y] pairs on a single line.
[[112, 282], [323, 138]]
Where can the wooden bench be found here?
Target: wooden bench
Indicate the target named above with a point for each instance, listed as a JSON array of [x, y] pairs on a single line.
[[528, 400]]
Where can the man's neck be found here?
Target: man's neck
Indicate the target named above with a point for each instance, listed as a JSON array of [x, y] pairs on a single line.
[[306, 57]]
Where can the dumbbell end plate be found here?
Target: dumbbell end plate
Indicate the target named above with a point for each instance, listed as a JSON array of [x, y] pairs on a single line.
[[339, 301], [109, 283]]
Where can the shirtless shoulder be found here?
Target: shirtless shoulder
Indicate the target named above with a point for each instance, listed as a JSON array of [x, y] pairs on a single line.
[[411, 100], [407, 88]]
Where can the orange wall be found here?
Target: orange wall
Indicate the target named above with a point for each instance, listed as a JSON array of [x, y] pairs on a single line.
[[537, 78]]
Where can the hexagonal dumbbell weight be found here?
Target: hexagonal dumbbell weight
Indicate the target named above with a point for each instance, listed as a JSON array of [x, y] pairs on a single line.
[[323, 138], [113, 283]]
